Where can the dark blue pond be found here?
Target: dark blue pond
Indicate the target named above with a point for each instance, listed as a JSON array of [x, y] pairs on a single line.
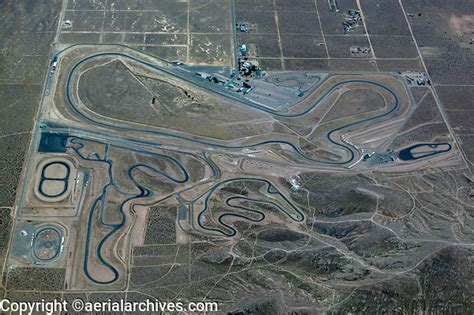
[[53, 142], [408, 154]]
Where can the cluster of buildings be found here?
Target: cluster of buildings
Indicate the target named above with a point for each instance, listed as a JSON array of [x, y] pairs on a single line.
[[234, 83], [66, 24], [243, 27], [352, 19], [357, 51], [247, 68], [416, 78], [379, 158]]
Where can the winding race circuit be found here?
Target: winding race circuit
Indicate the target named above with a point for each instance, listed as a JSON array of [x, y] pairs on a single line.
[[140, 132]]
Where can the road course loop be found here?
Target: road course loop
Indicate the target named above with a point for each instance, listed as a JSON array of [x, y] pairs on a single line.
[[297, 149]]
